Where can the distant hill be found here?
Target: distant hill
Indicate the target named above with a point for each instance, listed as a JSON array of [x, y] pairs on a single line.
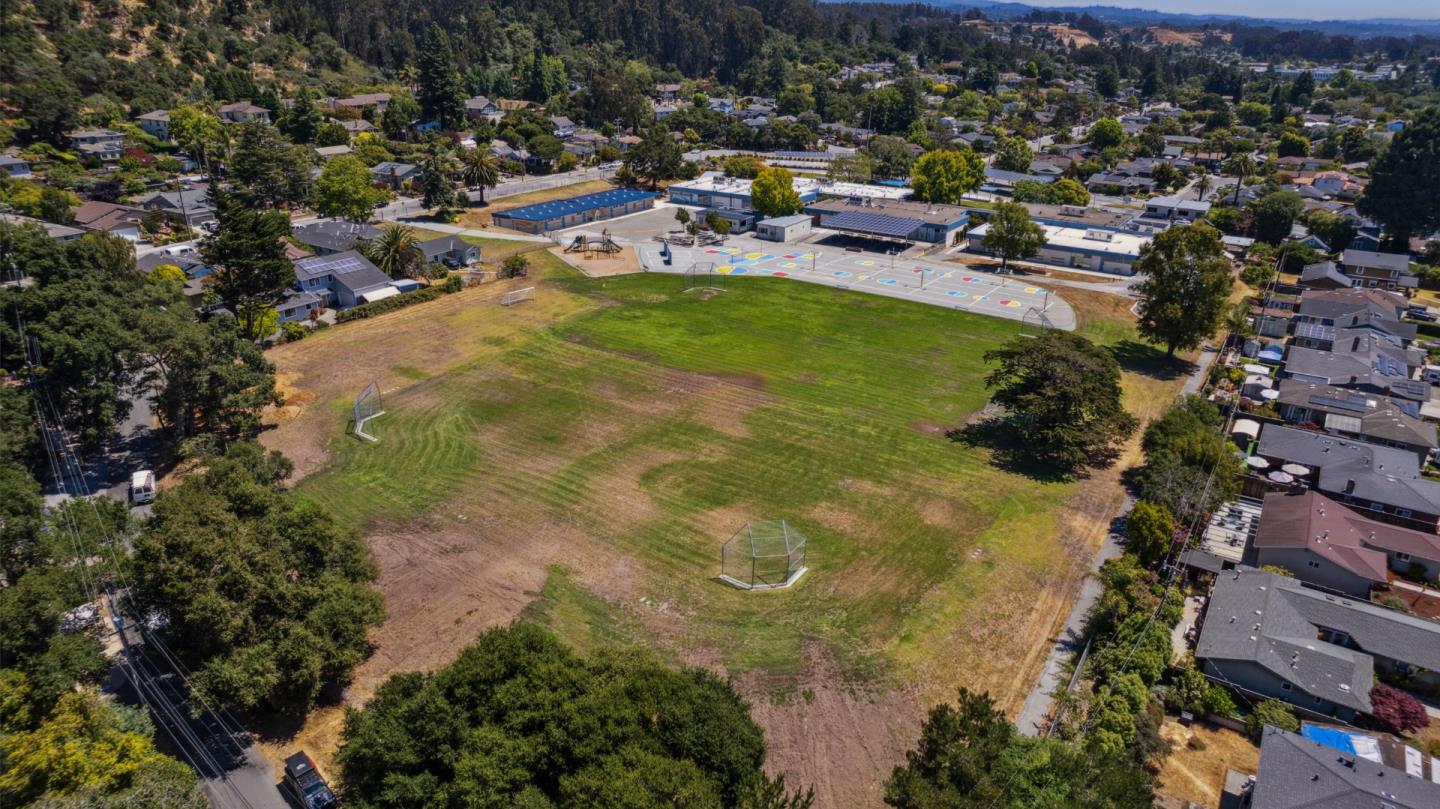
[[1370, 27]]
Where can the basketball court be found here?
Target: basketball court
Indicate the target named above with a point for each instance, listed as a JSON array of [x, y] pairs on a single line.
[[938, 284]]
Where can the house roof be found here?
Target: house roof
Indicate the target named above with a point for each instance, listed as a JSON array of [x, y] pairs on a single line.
[[241, 106], [1358, 469], [1323, 271], [349, 269], [1274, 621], [441, 245], [92, 213], [1297, 773], [157, 115], [333, 235], [390, 167], [1367, 258], [1313, 522], [189, 199], [1360, 359]]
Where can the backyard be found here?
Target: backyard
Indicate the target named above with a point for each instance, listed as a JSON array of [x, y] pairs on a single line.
[[578, 461]]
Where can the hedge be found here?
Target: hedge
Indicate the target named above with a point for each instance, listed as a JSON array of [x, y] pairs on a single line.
[[390, 304]]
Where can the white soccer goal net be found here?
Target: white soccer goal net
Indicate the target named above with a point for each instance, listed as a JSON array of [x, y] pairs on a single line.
[[517, 296], [367, 409]]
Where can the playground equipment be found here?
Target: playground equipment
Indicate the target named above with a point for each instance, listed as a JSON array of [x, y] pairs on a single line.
[[592, 246]]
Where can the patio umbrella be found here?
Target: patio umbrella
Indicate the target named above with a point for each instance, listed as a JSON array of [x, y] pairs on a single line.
[[1281, 477], [1256, 462], [1295, 469]]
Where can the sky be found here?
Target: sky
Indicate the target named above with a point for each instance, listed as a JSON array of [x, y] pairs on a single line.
[[1283, 9]]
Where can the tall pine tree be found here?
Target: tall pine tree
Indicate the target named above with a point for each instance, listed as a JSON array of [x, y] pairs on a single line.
[[442, 95], [248, 252]]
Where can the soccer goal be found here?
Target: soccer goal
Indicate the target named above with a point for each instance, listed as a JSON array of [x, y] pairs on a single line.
[[764, 555], [1035, 323], [367, 409], [702, 275], [517, 296]]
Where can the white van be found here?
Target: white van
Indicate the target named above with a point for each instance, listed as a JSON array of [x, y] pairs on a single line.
[[142, 487]]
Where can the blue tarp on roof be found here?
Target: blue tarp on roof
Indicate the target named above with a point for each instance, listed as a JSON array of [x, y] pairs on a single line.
[[1330, 737], [542, 211]]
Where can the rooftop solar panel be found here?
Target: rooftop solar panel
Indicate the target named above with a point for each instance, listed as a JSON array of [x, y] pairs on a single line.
[[1350, 404], [874, 223], [555, 209], [1314, 331]]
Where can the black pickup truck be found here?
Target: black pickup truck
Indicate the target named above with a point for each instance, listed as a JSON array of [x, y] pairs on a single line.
[[305, 782]]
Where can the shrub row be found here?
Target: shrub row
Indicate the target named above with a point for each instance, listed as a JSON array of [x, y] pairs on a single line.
[[390, 304]]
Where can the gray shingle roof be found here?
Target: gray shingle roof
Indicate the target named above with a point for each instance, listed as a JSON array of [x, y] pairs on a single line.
[[348, 269], [333, 235], [1273, 621], [1363, 470], [1296, 772]]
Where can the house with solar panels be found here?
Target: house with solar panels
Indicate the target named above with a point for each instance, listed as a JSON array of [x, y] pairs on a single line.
[[559, 214], [343, 280]]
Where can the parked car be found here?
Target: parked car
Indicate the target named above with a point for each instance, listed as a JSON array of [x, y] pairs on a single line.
[[142, 487], [1422, 315], [306, 783]]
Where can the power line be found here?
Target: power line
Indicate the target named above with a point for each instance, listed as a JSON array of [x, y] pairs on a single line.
[[143, 679]]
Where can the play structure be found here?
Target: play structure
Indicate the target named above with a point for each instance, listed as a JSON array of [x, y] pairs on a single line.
[[593, 246]]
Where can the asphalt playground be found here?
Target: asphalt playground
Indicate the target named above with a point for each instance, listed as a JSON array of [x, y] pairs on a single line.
[[936, 283]]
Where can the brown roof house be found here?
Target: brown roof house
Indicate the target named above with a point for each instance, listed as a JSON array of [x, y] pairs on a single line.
[[1326, 544]]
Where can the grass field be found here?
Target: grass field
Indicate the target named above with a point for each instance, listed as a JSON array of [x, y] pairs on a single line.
[[579, 461]]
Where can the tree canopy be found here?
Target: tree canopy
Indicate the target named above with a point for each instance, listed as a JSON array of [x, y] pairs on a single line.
[[263, 594], [1187, 282], [945, 175], [520, 720], [1062, 398], [773, 193], [1401, 193], [1012, 235], [971, 757], [345, 189]]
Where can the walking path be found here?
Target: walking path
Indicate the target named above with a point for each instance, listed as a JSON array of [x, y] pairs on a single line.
[[1034, 718]]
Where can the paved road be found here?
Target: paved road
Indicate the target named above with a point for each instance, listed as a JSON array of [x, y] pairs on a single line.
[[1034, 718], [480, 232], [233, 773], [524, 185], [937, 283]]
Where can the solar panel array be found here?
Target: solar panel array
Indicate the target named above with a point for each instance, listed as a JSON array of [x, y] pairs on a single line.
[[1350, 404], [1314, 331], [345, 265], [877, 224], [555, 209]]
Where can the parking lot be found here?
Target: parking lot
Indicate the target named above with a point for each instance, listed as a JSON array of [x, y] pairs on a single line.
[[869, 270]]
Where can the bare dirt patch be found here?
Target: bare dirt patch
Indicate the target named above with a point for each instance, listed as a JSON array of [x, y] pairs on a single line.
[[1197, 773], [841, 740], [600, 265], [928, 427]]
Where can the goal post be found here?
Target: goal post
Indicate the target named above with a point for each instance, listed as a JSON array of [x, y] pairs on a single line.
[[367, 409], [517, 296], [702, 275]]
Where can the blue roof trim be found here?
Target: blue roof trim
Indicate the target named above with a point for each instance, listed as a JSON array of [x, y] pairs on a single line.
[[555, 209]]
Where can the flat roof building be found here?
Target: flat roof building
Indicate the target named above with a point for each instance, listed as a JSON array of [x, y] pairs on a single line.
[[1084, 248], [891, 219], [564, 213]]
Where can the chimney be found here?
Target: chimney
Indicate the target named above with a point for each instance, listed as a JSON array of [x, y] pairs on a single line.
[[1350, 487]]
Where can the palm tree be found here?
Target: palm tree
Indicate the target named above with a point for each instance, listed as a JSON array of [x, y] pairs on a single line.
[[1202, 185], [395, 251], [1240, 166], [481, 170]]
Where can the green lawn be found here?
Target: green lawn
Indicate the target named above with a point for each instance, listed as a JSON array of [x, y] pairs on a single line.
[[654, 423]]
